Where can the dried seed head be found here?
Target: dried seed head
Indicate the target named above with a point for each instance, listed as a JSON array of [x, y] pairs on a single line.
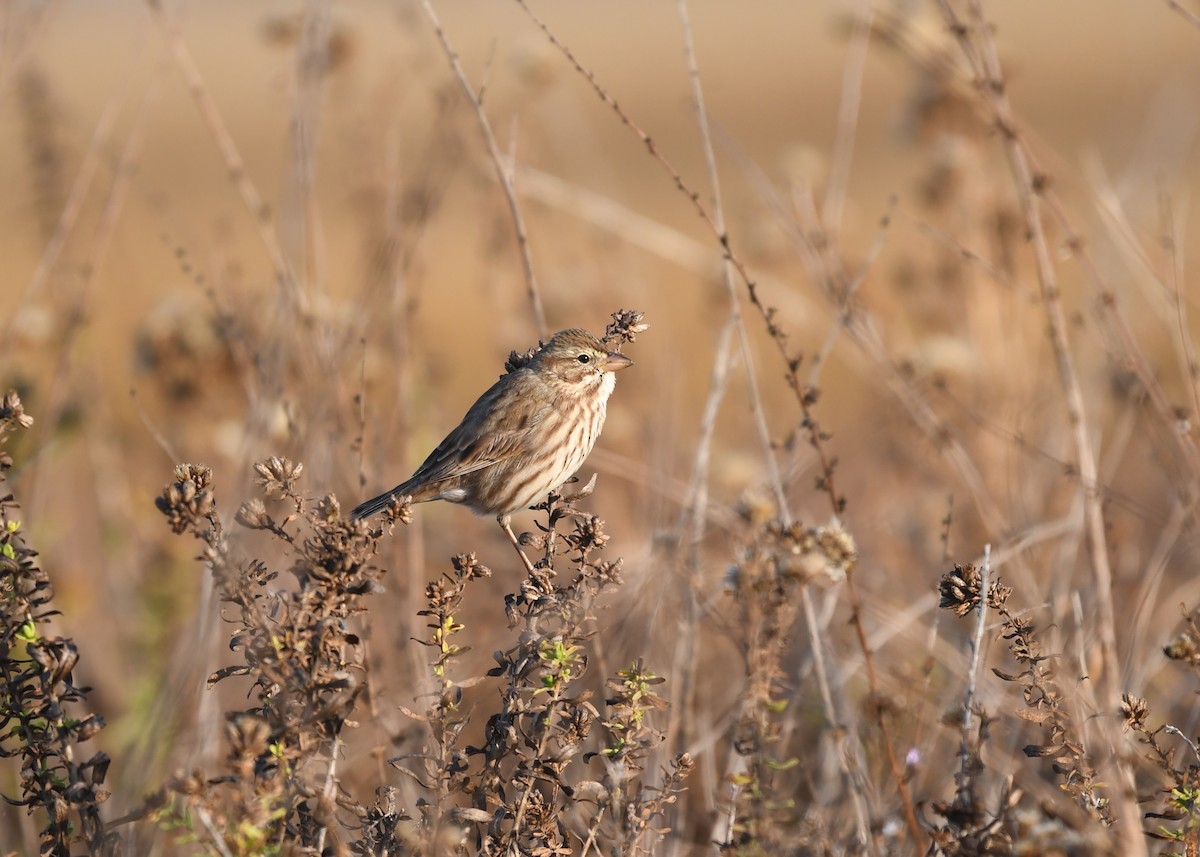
[[253, 515], [1134, 711], [537, 541], [517, 360], [626, 324], [248, 735], [12, 412], [959, 589], [328, 508], [826, 553], [589, 534], [278, 476], [1183, 647], [189, 499], [468, 567], [399, 509]]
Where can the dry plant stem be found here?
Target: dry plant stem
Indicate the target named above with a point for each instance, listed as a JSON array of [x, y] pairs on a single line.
[[592, 829], [917, 405], [329, 790], [216, 839], [506, 525], [699, 491], [687, 650], [1187, 348], [1188, 15], [697, 498], [401, 306], [126, 168], [951, 243], [718, 223], [1019, 442], [848, 745], [708, 218], [504, 169], [71, 208], [1131, 351], [965, 753], [848, 109], [234, 164], [1151, 581], [724, 352], [300, 226], [735, 324], [885, 731], [551, 710], [984, 59], [862, 329], [360, 413], [821, 356]]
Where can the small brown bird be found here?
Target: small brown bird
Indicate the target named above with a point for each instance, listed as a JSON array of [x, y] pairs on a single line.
[[523, 438]]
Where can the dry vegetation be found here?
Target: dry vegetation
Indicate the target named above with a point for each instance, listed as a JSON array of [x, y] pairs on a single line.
[[892, 545]]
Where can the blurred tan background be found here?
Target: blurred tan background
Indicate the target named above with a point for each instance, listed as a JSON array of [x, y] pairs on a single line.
[[142, 321]]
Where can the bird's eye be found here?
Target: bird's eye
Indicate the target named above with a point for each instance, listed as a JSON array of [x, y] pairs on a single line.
[[584, 358]]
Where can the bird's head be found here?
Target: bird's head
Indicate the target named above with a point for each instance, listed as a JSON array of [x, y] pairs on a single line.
[[576, 357]]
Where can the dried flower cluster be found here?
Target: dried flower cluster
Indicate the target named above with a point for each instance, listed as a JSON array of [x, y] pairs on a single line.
[[1185, 646]]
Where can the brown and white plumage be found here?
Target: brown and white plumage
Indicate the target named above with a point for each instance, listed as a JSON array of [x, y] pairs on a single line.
[[524, 437]]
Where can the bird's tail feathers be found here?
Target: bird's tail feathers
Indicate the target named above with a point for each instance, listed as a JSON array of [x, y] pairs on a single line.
[[377, 504]]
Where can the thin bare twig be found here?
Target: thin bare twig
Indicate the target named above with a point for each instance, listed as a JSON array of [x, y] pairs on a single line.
[[300, 225], [735, 328], [821, 356], [752, 290], [862, 329], [1191, 17], [228, 149], [218, 840], [720, 370], [1187, 347], [504, 169], [965, 753], [847, 126], [74, 203]]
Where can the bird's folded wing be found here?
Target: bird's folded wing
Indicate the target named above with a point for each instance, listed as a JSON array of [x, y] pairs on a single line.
[[486, 436], [460, 454]]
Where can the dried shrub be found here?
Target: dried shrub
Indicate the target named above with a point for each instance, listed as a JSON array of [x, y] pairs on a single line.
[[529, 788], [776, 562], [969, 826], [43, 718], [300, 648], [1176, 812]]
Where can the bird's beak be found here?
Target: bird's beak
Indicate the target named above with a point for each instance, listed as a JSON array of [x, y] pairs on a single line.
[[615, 362]]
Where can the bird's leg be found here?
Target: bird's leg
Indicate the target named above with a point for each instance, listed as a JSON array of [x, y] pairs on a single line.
[[505, 522]]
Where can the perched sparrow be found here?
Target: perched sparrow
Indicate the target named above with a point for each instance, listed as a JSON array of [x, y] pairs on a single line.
[[524, 437]]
